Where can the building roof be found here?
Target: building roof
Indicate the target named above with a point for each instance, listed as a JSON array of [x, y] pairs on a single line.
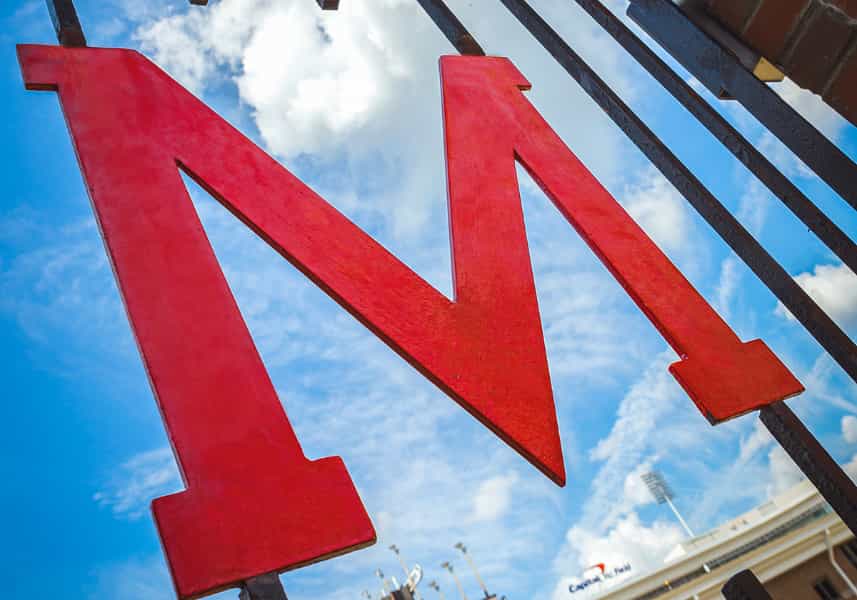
[[770, 539]]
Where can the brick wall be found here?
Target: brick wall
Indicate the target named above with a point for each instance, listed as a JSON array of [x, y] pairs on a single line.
[[814, 42]]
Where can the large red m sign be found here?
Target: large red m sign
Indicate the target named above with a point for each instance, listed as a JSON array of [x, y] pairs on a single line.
[[254, 504]]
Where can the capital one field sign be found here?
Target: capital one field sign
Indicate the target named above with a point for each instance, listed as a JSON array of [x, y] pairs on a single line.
[[254, 504]]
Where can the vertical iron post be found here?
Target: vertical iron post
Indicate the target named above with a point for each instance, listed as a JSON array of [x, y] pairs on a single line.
[[451, 27], [741, 241], [66, 23], [263, 587], [719, 70], [802, 207], [745, 586], [811, 457]]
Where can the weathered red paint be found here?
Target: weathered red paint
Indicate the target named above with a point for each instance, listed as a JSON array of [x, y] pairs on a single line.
[[254, 503]]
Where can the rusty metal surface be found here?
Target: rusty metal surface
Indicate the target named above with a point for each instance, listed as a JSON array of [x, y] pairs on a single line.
[[66, 23], [745, 586], [263, 587], [744, 150], [766, 268], [720, 71], [811, 457]]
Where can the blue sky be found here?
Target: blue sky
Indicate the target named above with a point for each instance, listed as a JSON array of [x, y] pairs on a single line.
[[349, 101]]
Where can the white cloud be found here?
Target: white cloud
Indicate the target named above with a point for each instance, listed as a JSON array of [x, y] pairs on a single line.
[[628, 541], [493, 497], [834, 288], [849, 429], [812, 108], [850, 467], [659, 209], [138, 481], [783, 471]]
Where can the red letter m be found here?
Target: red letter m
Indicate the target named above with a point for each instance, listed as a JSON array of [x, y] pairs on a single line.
[[254, 503]]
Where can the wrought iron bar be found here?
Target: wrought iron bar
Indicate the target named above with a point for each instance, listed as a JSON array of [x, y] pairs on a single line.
[[745, 586], [766, 268], [66, 23], [263, 587], [806, 451], [737, 144], [451, 27], [719, 71]]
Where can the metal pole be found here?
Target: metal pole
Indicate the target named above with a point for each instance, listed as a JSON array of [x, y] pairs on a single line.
[[469, 559], [811, 457], [451, 27], [263, 587], [772, 274], [404, 565], [720, 71], [433, 585], [66, 23], [788, 193], [449, 568], [380, 575], [680, 518]]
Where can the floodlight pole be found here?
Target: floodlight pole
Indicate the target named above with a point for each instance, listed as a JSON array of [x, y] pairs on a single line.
[[448, 567], [404, 564], [433, 585], [662, 494], [380, 575], [469, 559], [680, 518]]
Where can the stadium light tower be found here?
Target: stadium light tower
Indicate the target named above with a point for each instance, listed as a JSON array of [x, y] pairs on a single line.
[[469, 559], [404, 564], [380, 575], [433, 585], [663, 494], [448, 566]]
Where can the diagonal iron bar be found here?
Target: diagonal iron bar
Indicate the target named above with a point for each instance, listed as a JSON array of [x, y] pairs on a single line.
[[263, 587], [806, 451], [745, 586], [737, 144], [66, 23], [719, 70], [451, 27], [766, 268]]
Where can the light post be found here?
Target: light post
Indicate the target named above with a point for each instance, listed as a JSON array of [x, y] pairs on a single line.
[[404, 564], [663, 494], [380, 575], [469, 559], [433, 585], [448, 567]]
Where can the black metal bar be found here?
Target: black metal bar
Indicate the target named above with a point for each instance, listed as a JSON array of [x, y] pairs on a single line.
[[451, 27], [806, 451], [745, 586], [793, 297], [719, 70], [263, 587], [737, 144], [66, 24]]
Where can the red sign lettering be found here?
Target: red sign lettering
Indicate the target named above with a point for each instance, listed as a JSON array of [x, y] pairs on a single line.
[[254, 504]]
